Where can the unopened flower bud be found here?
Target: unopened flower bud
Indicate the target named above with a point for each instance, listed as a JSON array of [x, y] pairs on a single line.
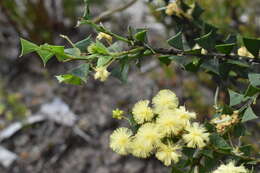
[[117, 114], [101, 73]]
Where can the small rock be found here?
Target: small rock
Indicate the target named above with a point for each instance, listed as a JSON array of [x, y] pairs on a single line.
[[59, 112]]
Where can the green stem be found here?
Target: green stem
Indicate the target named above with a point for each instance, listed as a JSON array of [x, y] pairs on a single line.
[[131, 51], [67, 56]]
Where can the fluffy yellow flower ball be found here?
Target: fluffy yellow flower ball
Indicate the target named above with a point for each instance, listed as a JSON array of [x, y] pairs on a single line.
[[231, 168], [165, 99], [169, 123], [120, 140], [196, 136], [168, 153], [142, 112], [150, 135], [183, 114], [101, 73], [138, 149]]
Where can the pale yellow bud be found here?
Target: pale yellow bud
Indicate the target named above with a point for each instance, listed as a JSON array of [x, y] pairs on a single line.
[[105, 36], [101, 73], [118, 114], [244, 52]]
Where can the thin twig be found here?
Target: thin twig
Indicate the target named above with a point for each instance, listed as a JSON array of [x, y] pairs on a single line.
[[173, 51], [109, 13]]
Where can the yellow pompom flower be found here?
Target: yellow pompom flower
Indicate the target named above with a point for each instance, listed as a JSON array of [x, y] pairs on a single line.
[[172, 9], [120, 140], [169, 123], [101, 73], [105, 36], [165, 99], [244, 52], [117, 114], [150, 135], [196, 136], [183, 114], [168, 153], [138, 149], [142, 112], [231, 168]]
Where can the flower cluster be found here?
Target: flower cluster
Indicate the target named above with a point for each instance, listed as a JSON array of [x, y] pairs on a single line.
[[231, 168], [223, 122], [157, 126]]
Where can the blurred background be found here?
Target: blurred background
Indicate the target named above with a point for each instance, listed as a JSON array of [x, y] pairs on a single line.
[[50, 127]]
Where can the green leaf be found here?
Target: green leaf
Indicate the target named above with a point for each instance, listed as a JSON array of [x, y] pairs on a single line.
[[181, 60], [121, 72], [83, 44], [124, 72], [252, 45], [86, 14], [115, 47], [98, 48], [207, 153], [207, 28], [133, 124], [81, 71], [27, 47], [239, 130], [58, 51], [69, 79], [176, 170], [189, 152], [165, 60], [45, 55], [211, 66], [141, 35], [102, 60], [76, 76], [210, 164], [197, 11], [251, 91], [225, 48], [235, 98], [219, 142], [246, 149], [194, 65], [176, 41], [210, 127], [248, 115], [254, 79], [183, 163], [231, 39], [227, 109], [73, 51], [207, 41], [239, 63]]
